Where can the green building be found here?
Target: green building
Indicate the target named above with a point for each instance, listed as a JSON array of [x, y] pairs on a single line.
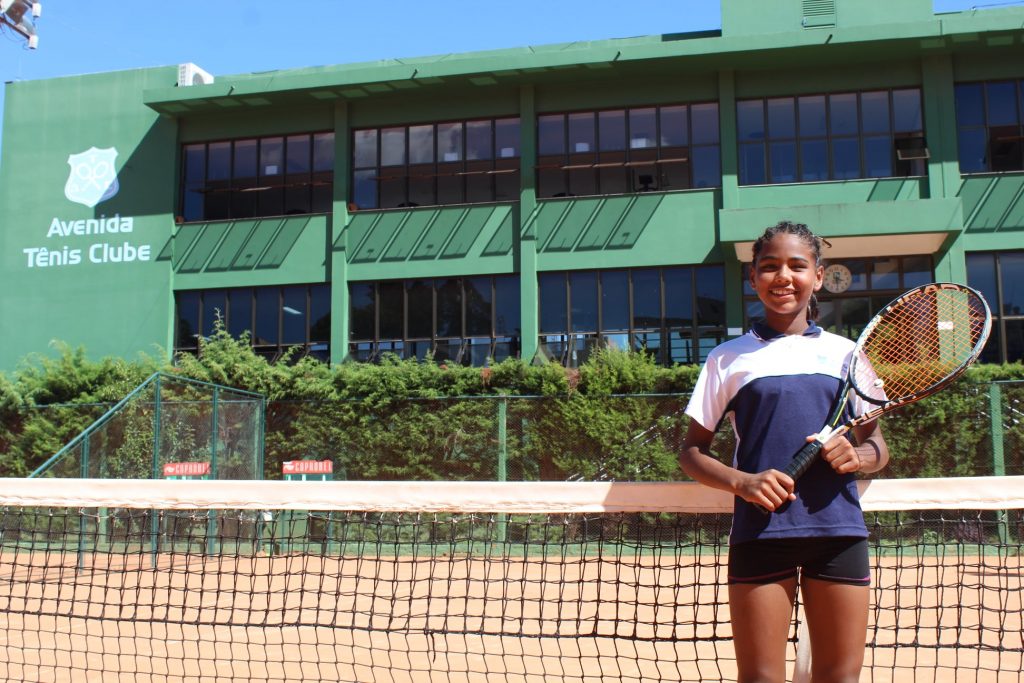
[[533, 202]]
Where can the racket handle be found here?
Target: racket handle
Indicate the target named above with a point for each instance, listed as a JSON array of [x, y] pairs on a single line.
[[804, 458]]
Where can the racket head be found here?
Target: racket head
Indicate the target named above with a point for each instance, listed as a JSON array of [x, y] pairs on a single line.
[[919, 343]]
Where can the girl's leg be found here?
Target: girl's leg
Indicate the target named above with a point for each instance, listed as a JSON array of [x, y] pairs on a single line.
[[761, 618], [837, 620]]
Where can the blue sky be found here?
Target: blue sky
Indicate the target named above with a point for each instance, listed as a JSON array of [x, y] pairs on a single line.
[[241, 36]]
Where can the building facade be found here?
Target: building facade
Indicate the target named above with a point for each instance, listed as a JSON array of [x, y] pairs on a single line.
[[537, 202]]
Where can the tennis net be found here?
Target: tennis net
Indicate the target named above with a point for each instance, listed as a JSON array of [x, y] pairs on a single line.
[[376, 581]]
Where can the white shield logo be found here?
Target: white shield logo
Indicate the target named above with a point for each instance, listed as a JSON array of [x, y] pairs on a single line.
[[93, 178]]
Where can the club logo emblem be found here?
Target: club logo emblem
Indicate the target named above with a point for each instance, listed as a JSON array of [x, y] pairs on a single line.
[[92, 178]]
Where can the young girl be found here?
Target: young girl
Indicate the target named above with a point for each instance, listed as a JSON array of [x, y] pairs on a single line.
[[776, 385]]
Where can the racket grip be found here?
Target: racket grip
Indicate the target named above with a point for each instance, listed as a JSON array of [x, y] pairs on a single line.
[[803, 459]]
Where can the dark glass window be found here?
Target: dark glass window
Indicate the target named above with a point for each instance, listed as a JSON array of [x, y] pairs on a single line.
[[872, 134], [619, 151], [999, 276], [276, 318], [675, 314], [989, 126], [252, 177], [467, 320], [434, 164]]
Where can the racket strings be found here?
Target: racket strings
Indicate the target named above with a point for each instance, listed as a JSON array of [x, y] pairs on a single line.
[[918, 343]]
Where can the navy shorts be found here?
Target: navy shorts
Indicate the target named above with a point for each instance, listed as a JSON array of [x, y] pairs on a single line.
[[837, 559]]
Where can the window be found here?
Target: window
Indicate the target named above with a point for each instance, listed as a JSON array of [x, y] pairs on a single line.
[[619, 151], [847, 302], [460, 162], [467, 320], [676, 314], [836, 136], [988, 120], [275, 318], [999, 276], [257, 177]]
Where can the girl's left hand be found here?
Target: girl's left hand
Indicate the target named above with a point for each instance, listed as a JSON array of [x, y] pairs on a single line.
[[841, 455]]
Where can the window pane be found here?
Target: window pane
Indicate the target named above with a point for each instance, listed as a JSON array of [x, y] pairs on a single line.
[[195, 182], [323, 152], [970, 105], [1014, 340], [478, 140], [874, 111], [843, 113], [271, 157], [299, 156], [674, 131], [581, 133], [361, 304], [705, 124], [972, 150], [392, 147], [707, 167], [1011, 267], [642, 128], [219, 166], [812, 115], [611, 127], [845, 158], [293, 315], [981, 274], [552, 294], [421, 144], [268, 309], [449, 142], [750, 120], [917, 270], [583, 301], [646, 298], [615, 300], [420, 300], [906, 108], [752, 164], [814, 160], [678, 297], [188, 319], [391, 309], [878, 157], [1002, 103], [781, 117], [710, 296], [214, 308], [478, 306], [783, 160], [506, 306], [449, 307], [365, 148], [364, 191], [239, 311], [506, 138], [320, 313], [551, 134], [885, 273]]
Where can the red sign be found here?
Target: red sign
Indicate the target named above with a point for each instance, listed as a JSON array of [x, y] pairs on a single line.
[[307, 467], [186, 469]]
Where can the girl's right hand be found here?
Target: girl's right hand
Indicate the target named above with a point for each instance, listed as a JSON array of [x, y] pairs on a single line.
[[769, 489]]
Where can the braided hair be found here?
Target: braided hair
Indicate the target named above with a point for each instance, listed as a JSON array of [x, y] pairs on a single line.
[[804, 233]]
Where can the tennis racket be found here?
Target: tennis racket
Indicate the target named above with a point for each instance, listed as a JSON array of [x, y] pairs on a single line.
[[912, 348]]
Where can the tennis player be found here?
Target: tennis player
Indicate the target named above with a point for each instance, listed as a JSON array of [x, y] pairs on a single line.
[[776, 385]]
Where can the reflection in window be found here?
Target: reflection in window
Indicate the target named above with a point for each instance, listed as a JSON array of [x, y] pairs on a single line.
[[584, 310], [249, 178], [989, 126], [873, 134], [999, 276], [275, 318], [467, 321], [456, 162], [619, 151]]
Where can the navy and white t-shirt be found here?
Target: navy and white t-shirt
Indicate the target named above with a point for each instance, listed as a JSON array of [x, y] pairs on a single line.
[[776, 389]]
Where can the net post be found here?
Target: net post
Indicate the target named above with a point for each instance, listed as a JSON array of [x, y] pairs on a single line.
[[802, 664], [502, 459], [995, 416], [211, 521]]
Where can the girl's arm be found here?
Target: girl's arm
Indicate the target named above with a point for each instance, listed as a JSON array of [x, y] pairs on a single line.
[[769, 489]]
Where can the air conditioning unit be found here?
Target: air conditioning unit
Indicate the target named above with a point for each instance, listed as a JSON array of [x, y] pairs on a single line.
[[190, 74]]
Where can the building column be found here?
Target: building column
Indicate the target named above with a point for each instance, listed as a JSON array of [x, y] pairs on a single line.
[[525, 244], [730, 199], [337, 225]]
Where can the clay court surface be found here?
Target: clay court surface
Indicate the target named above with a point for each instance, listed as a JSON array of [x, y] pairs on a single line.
[[191, 617]]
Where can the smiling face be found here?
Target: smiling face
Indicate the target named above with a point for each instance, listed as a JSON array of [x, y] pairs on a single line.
[[785, 275]]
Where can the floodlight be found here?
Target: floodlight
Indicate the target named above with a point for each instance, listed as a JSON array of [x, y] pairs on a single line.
[[18, 15]]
